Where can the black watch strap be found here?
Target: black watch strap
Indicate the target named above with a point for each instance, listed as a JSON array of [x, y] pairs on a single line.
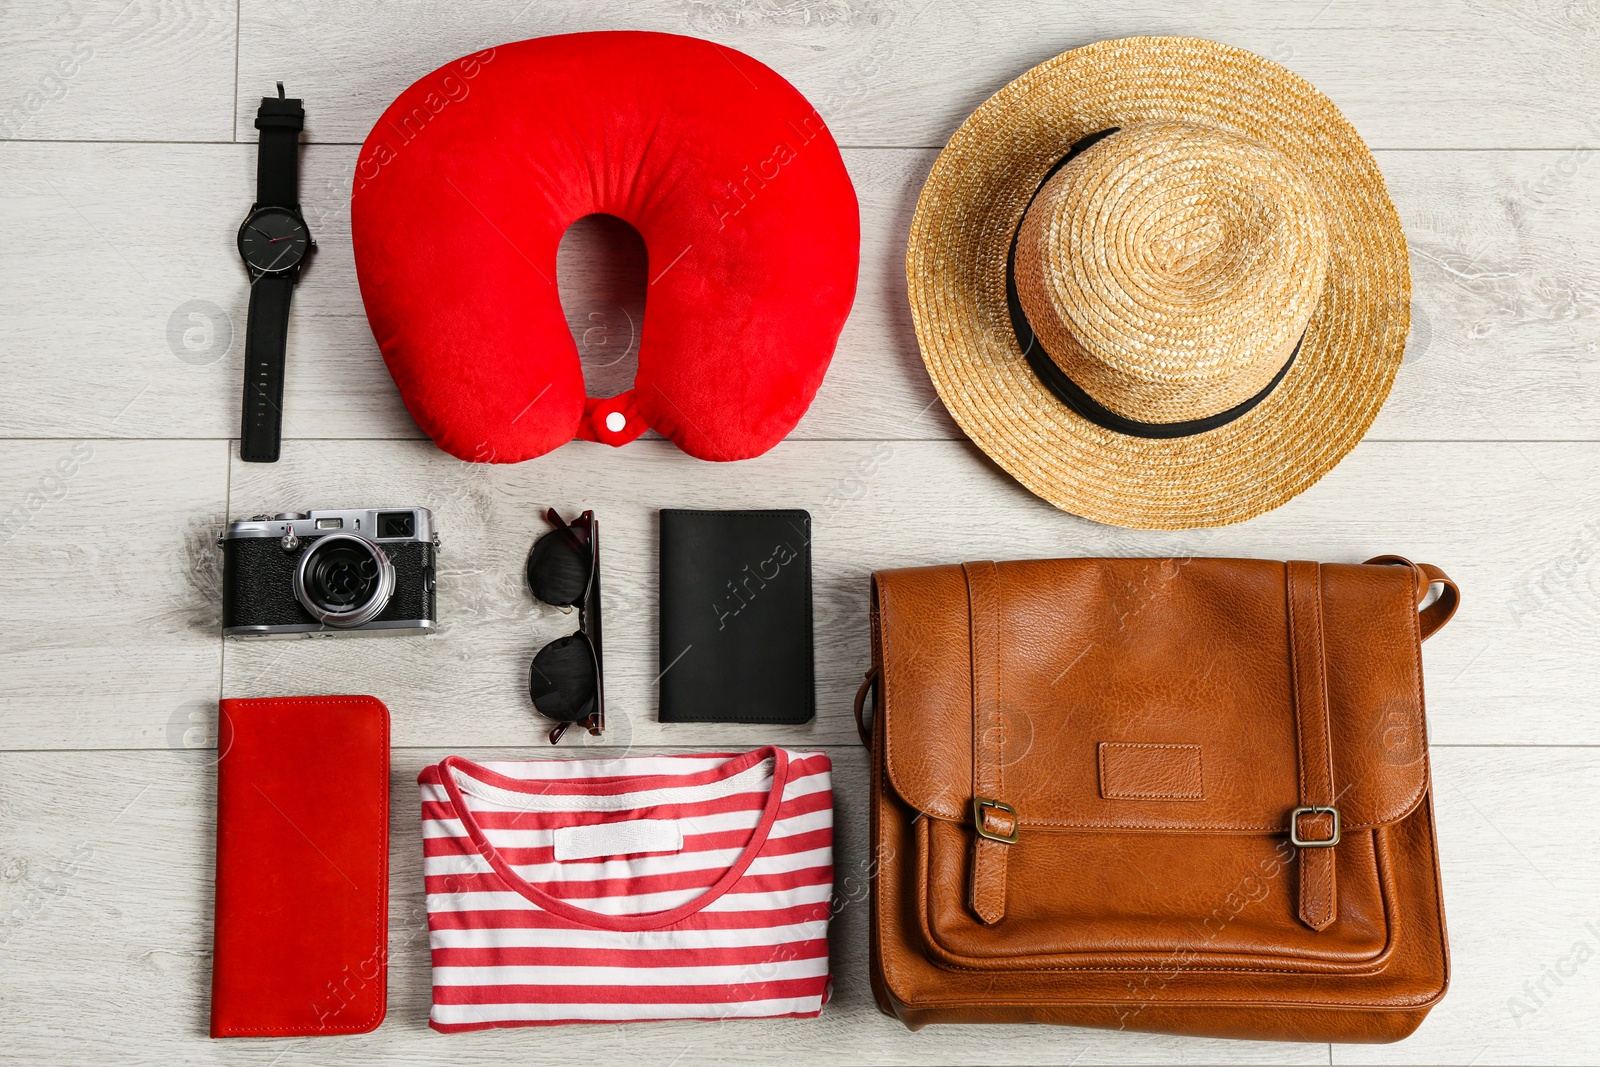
[[267, 333], [266, 342], [278, 161]]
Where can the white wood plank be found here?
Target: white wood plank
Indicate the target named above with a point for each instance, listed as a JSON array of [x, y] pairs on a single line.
[[1527, 618], [906, 72], [106, 305], [1520, 903], [125, 310], [1505, 271], [108, 896], [118, 70], [110, 583], [125, 638]]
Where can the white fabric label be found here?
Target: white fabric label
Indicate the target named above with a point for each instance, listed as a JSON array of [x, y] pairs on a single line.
[[618, 839]]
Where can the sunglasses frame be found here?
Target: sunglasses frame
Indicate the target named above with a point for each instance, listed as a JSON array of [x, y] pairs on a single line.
[[586, 527]]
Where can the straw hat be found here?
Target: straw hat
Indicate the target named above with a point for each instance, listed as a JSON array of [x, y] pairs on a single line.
[[1159, 280]]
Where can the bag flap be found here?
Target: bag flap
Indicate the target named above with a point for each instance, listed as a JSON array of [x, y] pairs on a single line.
[[1149, 694]]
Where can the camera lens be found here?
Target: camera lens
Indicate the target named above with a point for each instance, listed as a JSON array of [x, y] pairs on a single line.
[[341, 577], [344, 580]]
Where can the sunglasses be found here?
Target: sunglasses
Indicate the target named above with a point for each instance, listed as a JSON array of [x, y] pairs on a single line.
[[565, 681]]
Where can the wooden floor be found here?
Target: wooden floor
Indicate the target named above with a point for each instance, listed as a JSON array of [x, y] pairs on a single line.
[[129, 163]]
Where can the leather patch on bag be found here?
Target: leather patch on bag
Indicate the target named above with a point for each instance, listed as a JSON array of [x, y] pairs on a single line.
[[1135, 771]]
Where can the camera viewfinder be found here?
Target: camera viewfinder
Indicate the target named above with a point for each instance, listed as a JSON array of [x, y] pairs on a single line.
[[397, 524]]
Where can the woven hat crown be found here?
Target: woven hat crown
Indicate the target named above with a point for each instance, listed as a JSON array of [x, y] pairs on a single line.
[[1170, 269]]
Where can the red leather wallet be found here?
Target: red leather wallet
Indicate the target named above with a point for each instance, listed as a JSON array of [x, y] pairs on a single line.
[[300, 945]]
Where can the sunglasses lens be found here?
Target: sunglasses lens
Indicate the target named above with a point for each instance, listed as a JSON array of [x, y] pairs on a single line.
[[562, 679], [558, 568]]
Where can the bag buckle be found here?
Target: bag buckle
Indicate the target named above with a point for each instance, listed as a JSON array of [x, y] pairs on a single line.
[[1301, 842], [982, 805]]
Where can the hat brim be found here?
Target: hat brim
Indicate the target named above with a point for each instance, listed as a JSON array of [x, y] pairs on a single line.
[[973, 202]]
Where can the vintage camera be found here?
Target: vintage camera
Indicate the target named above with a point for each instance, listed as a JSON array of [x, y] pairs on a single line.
[[327, 573]]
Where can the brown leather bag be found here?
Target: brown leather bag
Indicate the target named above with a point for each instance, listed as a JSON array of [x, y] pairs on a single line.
[[1181, 795]]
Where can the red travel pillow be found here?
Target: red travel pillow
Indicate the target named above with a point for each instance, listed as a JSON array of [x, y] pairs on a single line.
[[466, 184]]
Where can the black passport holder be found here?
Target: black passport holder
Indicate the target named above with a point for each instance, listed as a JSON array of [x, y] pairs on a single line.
[[736, 617]]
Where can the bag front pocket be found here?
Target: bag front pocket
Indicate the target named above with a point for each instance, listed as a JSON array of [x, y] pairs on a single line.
[[1088, 899]]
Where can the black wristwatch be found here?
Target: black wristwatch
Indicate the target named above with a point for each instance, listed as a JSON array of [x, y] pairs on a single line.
[[274, 242]]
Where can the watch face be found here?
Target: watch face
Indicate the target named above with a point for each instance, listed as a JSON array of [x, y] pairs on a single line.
[[273, 240]]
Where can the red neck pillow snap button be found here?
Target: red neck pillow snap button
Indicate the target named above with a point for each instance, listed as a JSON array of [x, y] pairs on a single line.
[[466, 184]]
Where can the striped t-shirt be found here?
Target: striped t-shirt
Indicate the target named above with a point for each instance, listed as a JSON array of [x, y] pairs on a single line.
[[612, 890]]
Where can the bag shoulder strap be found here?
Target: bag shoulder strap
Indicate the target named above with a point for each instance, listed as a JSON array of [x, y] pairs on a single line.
[[1435, 615]]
